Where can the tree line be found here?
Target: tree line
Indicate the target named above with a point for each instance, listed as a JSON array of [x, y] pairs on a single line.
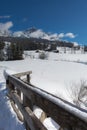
[[10, 51]]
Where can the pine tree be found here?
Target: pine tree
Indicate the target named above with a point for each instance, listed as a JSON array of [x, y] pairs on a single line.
[[2, 44], [15, 52], [18, 52]]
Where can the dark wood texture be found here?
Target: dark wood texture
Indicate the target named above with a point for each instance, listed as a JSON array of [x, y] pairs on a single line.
[[57, 108], [32, 121]]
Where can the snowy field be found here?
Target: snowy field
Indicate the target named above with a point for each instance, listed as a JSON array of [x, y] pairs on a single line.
[[57, 75]]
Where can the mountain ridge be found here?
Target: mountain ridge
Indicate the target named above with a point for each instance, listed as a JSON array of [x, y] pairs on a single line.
[[36, 33]]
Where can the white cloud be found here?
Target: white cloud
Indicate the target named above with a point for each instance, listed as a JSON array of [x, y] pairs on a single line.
[[6, 26], [70, 35], [61, 35], [5, 17]]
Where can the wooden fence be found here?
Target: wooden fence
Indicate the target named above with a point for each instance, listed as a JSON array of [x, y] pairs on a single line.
[[24, 96]]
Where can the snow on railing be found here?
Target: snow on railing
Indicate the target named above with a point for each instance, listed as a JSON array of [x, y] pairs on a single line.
[[25, 96]]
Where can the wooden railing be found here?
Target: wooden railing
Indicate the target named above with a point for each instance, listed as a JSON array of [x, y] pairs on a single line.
[[24, 96]]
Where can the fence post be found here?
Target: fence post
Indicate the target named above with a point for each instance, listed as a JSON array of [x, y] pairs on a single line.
[[11, 88], [7, 83], [18, 90], [28, 78]]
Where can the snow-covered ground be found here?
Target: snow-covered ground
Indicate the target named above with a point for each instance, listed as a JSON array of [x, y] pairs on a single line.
[[56, 75], [8, 119]]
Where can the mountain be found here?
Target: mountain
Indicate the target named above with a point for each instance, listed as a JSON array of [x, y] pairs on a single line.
[[34, 36], [36, 33]]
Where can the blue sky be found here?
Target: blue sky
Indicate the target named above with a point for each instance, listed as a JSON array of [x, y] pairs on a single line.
[[55, 16]]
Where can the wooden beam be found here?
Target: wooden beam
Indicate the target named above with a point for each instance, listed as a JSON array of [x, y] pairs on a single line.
[[22, 74], [20, 117], [32, 121], [62, 115]]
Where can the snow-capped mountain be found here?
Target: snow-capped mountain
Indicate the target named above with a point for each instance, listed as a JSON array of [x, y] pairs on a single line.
[[36, 33]]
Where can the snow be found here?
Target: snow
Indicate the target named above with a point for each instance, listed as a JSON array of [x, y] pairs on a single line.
[[8, 119], [8, 72], [51, 124], [55, 75], [37, 111]]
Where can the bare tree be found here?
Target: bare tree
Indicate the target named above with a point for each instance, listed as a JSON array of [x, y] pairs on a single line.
[[43, 55], [79, 94]]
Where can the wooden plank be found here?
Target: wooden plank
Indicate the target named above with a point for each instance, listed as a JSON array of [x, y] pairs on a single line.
[[10, 87], [20, 117], [22, 74], [26, 103], [18, 92], [32, 121], [60, 115]]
